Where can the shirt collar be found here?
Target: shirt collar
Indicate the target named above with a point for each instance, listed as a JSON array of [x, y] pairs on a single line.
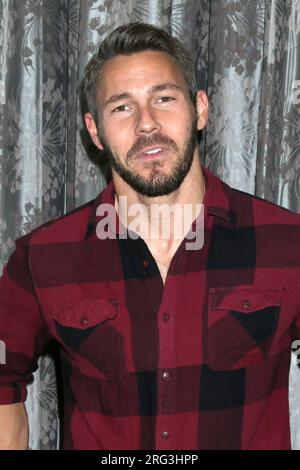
[[107, 196], [218, 202], [218, 199]]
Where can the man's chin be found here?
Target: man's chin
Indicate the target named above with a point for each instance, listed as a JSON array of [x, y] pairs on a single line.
[[155, 187], [156, 180]]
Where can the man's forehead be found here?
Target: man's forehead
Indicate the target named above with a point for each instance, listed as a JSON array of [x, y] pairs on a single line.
[[153, 67]]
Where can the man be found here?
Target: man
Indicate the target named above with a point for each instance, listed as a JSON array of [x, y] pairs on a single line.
[[162, 347]]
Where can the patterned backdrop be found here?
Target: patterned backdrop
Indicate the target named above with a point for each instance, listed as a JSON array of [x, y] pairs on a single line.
[[247, 57]]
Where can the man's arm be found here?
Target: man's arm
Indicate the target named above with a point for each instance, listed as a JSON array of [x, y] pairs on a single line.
[[13, 427], [23, 336]]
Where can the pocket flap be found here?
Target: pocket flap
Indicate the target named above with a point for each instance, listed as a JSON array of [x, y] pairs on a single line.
[[245, 299], [85, 313]]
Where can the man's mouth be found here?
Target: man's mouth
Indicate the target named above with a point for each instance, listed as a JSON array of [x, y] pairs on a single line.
[[151, 152]]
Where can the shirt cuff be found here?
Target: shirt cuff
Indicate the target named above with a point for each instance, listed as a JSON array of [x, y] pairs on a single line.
[[13, 393]]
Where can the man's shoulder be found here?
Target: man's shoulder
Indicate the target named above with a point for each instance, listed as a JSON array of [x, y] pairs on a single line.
[[246, 209], [261, 211], [70, 227], [274, 231]]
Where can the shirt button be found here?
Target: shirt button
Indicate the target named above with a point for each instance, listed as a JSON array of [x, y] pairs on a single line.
[[83, 321], [247, 303], [166, 316], [166, 375], [165, 435], [145, 263]]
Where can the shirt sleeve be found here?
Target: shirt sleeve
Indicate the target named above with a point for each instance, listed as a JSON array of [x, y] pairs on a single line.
[[23, 332], [296, 325], [296, 330]]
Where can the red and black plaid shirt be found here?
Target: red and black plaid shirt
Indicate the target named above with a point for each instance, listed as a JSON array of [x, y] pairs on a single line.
[[201, 362]]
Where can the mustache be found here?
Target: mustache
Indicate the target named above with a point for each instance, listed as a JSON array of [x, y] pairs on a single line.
[[155, 139]]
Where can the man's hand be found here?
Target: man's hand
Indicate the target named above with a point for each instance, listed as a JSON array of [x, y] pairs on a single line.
[[13, 427]]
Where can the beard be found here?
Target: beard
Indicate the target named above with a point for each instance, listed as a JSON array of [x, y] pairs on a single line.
[[158, 183]]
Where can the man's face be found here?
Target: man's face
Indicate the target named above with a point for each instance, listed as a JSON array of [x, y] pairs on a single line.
[[147, 122]]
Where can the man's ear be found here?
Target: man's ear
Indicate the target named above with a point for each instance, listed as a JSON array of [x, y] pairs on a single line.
[[92, 130], [202, 109]]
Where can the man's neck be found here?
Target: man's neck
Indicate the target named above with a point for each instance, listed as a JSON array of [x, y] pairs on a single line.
[[163, 221]]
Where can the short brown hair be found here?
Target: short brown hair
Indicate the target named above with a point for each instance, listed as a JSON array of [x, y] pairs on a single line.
[[129, 39]]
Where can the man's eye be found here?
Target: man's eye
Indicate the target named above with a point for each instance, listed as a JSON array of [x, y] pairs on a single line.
[[165, 99], [122, 107]]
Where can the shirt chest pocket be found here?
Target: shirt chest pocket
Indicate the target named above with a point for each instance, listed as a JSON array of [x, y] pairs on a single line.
[[241, 325], [91, 331]]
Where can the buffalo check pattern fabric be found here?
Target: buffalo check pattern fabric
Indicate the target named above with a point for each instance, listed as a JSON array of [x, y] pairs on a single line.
[[200, 362]]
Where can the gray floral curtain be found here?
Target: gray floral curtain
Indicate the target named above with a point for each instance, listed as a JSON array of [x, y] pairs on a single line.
[[248, 60]]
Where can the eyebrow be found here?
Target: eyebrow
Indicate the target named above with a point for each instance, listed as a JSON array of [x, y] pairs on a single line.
[[159, 87]]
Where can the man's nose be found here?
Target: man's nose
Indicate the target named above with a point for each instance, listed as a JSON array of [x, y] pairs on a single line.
[[147, 122]]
